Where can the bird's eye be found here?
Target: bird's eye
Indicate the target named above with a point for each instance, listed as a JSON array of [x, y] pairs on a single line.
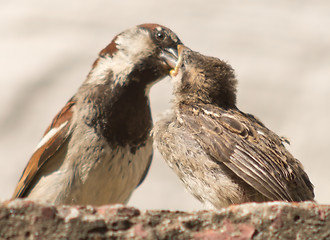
[[160, 36]]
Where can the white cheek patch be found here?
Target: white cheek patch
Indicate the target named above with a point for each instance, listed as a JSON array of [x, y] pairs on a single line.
[[101, 70], [51, 133], [133, 46], [120, 67]]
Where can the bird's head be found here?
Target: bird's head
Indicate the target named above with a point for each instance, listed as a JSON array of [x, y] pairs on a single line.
[[205, 79], [143, 54]]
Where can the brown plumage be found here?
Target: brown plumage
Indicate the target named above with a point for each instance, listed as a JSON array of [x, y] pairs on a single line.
[[98, 149], [222, 155]]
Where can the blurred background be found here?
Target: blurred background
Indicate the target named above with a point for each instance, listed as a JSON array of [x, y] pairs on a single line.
[[279, 49]]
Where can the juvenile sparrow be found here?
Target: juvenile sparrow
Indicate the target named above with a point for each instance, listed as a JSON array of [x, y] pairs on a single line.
[[222, 155], [98, 149]]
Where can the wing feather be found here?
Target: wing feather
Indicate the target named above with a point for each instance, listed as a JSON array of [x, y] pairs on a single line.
[[54, 138], [250, 150]]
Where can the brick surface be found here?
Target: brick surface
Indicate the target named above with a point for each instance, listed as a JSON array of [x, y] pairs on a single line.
[[21, 219]]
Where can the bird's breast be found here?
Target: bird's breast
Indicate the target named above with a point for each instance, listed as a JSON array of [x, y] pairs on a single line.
[[113, 177]]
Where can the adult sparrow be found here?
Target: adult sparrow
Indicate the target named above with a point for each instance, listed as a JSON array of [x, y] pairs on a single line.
[[223, 155], [98, 149]]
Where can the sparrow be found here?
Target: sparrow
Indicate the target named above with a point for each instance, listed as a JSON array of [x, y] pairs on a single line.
[[222, 155], [98, 148]]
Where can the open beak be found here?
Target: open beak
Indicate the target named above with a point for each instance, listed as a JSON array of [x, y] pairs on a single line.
[[175, 69], [170, 56], [173, 58]]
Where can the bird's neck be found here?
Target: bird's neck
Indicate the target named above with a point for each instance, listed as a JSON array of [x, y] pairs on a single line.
[[120, 113], [222, 99], [128, 116]]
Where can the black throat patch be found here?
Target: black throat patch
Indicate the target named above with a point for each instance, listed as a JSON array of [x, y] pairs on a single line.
[[121, 115]]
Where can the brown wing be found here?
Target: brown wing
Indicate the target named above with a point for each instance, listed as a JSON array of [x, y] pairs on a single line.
[[54, 137], [250, 150]]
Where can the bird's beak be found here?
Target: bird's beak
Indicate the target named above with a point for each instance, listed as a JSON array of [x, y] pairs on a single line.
[[173, 58], [178, 64], [169, 56]]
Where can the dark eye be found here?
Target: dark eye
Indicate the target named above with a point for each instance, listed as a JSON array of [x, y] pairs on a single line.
[[160, 35]]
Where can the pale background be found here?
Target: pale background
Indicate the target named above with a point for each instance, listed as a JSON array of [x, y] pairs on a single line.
[[279, 49]]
